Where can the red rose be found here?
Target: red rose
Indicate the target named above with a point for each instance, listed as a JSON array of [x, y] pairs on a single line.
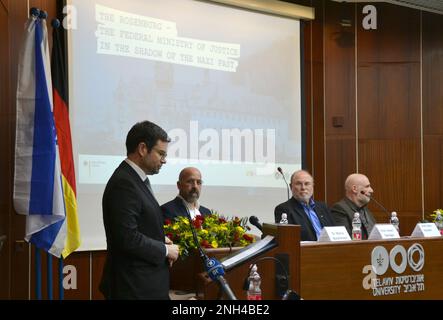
[[168, 222]]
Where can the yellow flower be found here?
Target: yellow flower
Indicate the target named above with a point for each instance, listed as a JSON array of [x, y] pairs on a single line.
[[213, 231]]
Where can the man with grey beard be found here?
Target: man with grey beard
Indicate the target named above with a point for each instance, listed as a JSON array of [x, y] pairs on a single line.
[[301, 209], [189, 185], [358, 192]]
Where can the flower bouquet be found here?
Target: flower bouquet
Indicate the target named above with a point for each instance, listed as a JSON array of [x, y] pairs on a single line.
[[213, 231]]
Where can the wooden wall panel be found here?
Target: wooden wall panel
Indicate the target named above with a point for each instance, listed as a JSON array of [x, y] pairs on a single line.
[[341, 160], [393, 168], [389, 127], [98, 262], [316, 128], [389, 75], [340, 122], [5, 146], [432, 112], [19, 254], [81, 262]]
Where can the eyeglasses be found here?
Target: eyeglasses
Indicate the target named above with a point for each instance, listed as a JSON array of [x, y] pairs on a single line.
[[161, 153]]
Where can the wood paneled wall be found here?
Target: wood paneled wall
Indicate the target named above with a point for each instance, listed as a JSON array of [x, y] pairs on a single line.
[[374, 104], [5, 146]]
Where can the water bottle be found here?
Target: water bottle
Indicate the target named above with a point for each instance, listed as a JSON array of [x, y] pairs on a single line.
[[254, 290], [356, 227], [439, 222], [284, 218], [394, 221]]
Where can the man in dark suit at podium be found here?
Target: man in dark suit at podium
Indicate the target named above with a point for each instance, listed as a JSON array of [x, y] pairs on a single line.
[[138, 253], [189, 185], [301, 209], [358, 193]]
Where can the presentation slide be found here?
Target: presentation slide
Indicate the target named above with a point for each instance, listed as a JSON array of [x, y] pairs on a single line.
[[223, 82]]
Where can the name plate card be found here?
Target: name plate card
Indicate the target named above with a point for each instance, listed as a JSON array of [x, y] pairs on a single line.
[[425, 230], [382, 231], [329, 234]]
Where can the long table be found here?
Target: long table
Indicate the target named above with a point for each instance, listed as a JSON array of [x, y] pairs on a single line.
[[406, 268]]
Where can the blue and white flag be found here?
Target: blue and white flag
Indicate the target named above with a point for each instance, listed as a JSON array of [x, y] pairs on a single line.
[[38, 189]]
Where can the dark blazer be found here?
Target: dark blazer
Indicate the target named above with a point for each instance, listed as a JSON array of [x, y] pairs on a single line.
[[176, 207], [297, 215], [343, 214], [136, 266]]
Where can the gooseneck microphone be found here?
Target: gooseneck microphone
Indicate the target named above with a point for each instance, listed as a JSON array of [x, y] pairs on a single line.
[[376, 202], [279, 169], [212, 266], [255, 222]]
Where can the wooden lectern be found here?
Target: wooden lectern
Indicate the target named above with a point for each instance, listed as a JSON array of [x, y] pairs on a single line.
[[287, 251]]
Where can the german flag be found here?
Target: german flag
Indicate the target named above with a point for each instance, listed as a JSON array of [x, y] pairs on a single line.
[[63, 128]]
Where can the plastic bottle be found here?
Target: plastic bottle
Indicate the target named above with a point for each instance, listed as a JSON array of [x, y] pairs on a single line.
[[394, 221], [254, 291], [356, 227], [439, 222], [284, 218]]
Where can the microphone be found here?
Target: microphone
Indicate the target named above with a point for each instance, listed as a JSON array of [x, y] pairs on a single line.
[[216, 272], [378, 203], [255, 222], [212, 266], [279, 169]]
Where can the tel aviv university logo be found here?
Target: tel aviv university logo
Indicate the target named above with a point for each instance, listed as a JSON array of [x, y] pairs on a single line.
[[398, 259], [414, 257]]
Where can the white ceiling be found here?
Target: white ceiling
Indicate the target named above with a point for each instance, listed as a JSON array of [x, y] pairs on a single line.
[[426, 5]]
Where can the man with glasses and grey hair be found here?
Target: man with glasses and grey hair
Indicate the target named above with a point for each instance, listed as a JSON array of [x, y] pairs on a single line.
[[302, 210], [189, 185]]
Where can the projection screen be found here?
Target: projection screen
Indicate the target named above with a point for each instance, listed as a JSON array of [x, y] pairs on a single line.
[[223, 82]]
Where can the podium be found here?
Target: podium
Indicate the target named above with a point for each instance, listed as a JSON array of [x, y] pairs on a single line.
[[287, 252], [410, 268], [188, 275]]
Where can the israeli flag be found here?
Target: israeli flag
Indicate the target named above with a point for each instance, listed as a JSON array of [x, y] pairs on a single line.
[[38, 187]]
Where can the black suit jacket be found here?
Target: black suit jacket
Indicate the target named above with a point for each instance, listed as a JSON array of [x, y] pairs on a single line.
[[176, 207], [297, 215], [136, 266]]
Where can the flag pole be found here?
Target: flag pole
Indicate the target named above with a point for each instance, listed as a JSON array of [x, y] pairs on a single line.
[[38, 274], [61, 295], [49, 275]]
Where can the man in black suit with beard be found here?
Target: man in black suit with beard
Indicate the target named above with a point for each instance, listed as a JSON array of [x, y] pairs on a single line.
[[358, 192], [301, 209], [138, 253], [189, 186]]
